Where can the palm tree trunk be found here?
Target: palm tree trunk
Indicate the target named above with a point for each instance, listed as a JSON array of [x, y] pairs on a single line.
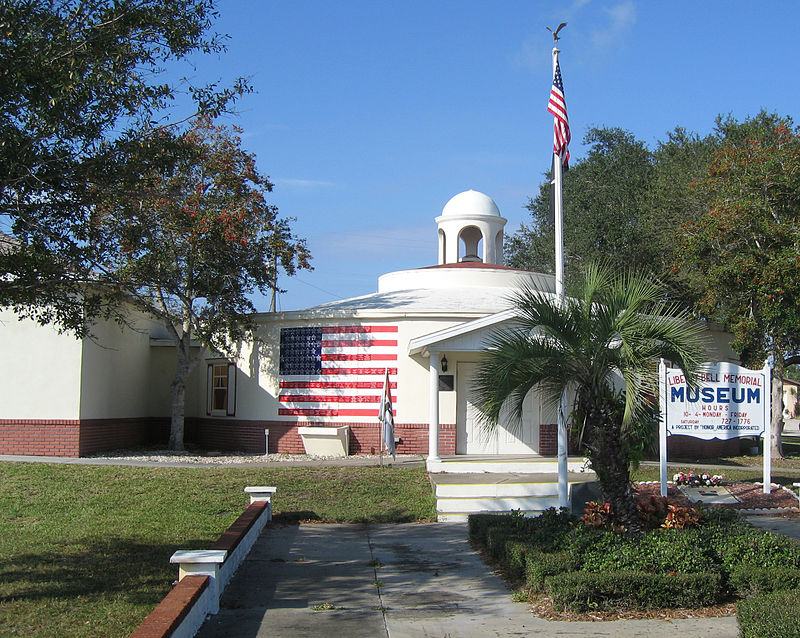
[[610, 462]]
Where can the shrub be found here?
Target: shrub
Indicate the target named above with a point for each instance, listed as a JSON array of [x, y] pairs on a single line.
[[597, 514], [516, 552], [553, 519], [681, 517], [662, 551], [582, 591], [772, 615], [497, 538], [748, 581], [749, 546], [479, 524], [549, 527], [654, 512], [540, 565]]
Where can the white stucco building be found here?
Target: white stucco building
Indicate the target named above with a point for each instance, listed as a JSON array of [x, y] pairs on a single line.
[[426, 325], [322, 366]]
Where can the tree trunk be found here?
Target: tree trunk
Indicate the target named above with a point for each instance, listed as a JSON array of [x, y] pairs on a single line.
[[776, 424], [178, 391], [610, 462], [185, 364]]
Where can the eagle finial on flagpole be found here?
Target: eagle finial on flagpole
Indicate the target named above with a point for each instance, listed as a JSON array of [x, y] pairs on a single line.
[[555, 33]]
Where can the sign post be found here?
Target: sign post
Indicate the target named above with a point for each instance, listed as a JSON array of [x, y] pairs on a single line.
[[729, 402]]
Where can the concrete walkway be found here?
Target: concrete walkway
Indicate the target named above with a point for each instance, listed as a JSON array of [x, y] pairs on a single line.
[[396, 581]]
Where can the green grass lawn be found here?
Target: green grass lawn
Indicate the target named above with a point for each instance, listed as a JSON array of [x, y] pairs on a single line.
[[791, 460], [733, 474], [84, 550]]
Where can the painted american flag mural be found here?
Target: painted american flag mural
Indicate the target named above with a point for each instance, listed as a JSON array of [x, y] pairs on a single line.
[[336, 371]]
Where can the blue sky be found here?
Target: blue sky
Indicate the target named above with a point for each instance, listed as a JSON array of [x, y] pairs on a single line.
[[369, 115]]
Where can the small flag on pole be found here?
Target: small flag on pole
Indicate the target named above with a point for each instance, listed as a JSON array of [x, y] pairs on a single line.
[[558, 107], [387, 417]]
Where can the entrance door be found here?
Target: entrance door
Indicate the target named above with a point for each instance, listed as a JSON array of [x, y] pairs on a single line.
[[505, 439], [470, 437]]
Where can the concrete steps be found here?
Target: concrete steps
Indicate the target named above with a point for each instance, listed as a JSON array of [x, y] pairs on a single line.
[[502, 464], [460, 494]]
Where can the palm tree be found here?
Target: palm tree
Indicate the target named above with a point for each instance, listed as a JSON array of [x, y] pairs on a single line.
[[600, 347]]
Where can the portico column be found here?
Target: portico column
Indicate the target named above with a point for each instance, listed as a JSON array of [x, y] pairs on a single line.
[[433, 421]]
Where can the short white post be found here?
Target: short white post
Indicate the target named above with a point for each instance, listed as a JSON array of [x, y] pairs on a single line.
[[262, 494], [767, 455], [266, 442], [202, 562], [433, 424], [662, 426]]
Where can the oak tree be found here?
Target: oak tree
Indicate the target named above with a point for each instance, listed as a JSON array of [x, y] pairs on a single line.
[[746, 245], [190, 237], [80, 83]]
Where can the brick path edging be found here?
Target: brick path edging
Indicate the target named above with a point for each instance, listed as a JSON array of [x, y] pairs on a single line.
[[184, 609]]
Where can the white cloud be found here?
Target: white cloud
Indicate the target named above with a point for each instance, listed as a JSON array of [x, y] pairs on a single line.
[[621, 18], [293, 182]]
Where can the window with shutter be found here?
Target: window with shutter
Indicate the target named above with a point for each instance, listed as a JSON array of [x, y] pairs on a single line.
[[221, 397]]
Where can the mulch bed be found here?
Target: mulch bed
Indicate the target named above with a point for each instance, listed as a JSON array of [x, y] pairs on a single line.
[[542, 607], [750, 496]]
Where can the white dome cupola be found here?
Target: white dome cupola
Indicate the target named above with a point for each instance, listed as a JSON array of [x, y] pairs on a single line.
[[471, 229]]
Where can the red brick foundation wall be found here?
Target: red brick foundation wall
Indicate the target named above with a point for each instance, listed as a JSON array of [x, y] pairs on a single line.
[[248, 436], [40, 437], [99, 435], [548, 439], [76, 437], [73, 438]]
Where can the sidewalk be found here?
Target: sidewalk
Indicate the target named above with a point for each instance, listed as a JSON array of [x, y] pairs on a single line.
[[398, 581]]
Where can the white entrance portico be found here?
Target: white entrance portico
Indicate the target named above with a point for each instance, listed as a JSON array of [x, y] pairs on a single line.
[[462, 345]]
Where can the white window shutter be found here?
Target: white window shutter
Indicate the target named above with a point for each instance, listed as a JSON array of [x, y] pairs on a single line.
[[231, 411], [210, 389]]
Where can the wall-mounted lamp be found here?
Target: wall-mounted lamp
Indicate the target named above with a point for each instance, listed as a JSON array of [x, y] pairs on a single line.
[[444, 363]]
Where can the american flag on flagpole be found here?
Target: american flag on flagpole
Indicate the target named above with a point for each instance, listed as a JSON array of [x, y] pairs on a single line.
[[558, 107], [336, 371], [387, 417]]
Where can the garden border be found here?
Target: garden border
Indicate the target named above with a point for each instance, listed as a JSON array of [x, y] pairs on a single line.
[[203, 575]]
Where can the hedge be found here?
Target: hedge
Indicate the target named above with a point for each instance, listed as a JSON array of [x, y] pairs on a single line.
[[584, 591], [749, 546], [748, 580], [479, 524], [540, 565], [660, 552], [497, 538], [772, 615]]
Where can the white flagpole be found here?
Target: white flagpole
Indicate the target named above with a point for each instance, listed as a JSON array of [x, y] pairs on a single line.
[[558, 206], [563, 481]]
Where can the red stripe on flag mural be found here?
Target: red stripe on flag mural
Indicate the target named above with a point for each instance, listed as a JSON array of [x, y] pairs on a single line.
[[327, 398], [358, 371], [359, 357], [358, 343], [330, 330], [328, 412], [373, 385]]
